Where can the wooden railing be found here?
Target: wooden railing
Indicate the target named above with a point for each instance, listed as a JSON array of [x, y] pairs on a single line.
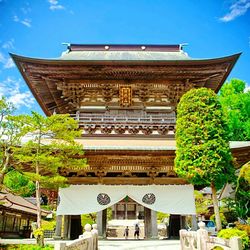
[[200, 240], [105, 119]]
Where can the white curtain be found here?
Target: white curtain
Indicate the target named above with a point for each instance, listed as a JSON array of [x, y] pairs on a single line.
[[82, 199]]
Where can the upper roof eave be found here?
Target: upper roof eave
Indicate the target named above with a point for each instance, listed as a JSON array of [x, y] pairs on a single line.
[[19, 58], [22, 62]]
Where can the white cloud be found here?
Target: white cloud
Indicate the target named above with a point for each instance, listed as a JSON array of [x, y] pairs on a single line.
[[238, 8], [8, 44], [10, 88], [26, 21], [26, 10], [53, 2], [9, 64], [247, 89], [54, 5], [15, 18]]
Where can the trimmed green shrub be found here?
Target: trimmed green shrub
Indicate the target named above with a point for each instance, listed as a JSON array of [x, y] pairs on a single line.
[[234, 232]]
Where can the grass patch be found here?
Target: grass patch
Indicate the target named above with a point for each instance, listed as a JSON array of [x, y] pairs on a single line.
[[25, 247]]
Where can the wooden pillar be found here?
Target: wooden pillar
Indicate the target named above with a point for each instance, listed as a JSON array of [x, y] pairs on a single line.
[[147, 223], [115, 211], [126, 210], [99, 223], [136, 211], [58, 232], [69, 228], [194, 223], [154, 228], [102, 223], [66, 227], [183, 221]]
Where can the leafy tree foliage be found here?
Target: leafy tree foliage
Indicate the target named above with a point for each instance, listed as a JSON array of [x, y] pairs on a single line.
[[235, 102], [51, 147], [201, 203], [242, 194], [203, 155], [19, 183], [11, 131]]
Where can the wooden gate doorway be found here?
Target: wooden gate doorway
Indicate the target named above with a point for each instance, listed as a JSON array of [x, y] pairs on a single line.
[[113, 221]]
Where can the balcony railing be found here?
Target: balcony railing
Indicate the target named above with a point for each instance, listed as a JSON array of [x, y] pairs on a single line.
[[108, 119]]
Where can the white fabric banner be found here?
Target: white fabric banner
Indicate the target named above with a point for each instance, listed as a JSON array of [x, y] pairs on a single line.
[[83, 199]]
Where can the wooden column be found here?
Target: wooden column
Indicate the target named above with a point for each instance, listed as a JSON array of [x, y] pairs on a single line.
[[194, 223], [115, 211], [126, 210], [154, 228], [183, 221], [102, 223], [136, 211], [58, 232], [66, 227], [147, 223]]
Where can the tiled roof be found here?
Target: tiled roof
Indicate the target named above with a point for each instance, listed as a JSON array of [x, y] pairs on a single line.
[[124, 52], [18, 203]]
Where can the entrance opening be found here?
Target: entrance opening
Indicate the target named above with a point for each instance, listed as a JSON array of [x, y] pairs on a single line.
[[123, 218]]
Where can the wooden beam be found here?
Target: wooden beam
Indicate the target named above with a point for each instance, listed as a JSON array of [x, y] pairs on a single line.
[[127, 180]]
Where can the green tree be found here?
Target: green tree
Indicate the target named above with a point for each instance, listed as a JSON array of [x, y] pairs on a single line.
[[242, 192], [235, 102], [19, 183], [11, 131], [201, 203], [51, 147], [203, 155]]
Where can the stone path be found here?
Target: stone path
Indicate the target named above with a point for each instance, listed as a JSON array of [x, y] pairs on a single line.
[[116, 244], [139, 245]]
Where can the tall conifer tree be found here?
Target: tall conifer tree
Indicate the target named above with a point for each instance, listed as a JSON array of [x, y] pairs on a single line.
[[203, 154]]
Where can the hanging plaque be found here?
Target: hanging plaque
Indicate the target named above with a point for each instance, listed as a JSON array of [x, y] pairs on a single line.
[[125, 94]]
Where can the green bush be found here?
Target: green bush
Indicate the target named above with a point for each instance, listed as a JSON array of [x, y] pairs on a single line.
[[234, 232], [243, 227], [48, 224], [161, 217], [88, 219]]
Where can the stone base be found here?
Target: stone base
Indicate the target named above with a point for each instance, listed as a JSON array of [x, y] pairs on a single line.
[[57, 237], [154, 238]]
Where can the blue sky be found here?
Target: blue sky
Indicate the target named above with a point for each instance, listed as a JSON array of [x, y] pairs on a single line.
[[37, 28]]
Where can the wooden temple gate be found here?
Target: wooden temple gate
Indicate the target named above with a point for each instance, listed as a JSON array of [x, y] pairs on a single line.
[[124, 98]]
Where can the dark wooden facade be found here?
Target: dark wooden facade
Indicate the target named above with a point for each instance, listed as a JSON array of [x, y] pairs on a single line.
[[121, 92]]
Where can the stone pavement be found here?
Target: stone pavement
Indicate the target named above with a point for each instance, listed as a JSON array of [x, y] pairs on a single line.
[[115, 244], [139, 245]]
